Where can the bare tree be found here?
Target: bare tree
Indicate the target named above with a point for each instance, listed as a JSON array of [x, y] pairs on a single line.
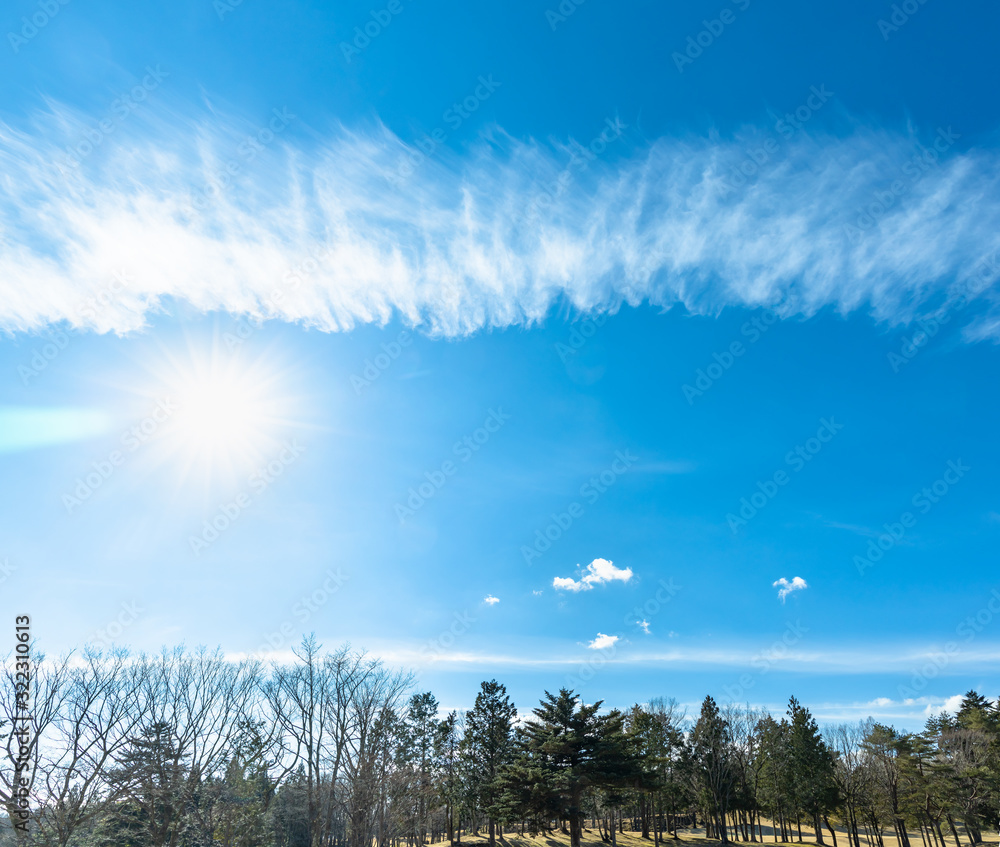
[[23, 742], [99, 714]]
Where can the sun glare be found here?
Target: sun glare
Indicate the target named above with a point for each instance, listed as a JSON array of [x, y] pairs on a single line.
[[227, 414], [221, 412]]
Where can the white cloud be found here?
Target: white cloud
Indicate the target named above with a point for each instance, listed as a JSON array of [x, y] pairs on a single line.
[[603, 642], [644, 626], [598, 572], [951, 705], [490, 600], [785, 587], [537, 592], [443, 249]]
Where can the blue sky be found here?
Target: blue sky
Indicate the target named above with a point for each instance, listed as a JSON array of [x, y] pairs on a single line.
[[393, 308]]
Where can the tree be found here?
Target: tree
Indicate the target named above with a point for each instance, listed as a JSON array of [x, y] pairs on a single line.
[[489, 728], [416, 754], [850, 774], [154, 777], [715, 776], [814, 785], [568, 749], [448, 751], [882, 746]]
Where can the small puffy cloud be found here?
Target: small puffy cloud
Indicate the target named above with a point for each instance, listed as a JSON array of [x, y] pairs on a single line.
[[538, 593], [603, 642], [951, 705], [490, 600], [880, 701], [644, 626], [785, 587], [598, 572]]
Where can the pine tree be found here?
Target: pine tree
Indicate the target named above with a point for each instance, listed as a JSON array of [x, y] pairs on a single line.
[[714, 775], [813, 782], [420, 730], [489, 745], [570, 749], [447, 750]]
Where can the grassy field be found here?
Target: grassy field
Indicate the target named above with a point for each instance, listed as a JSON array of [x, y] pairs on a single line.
[[697, 837]]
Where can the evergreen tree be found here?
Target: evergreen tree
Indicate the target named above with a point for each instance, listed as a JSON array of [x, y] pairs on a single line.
[[447, 749], [489, 747], [420, 731], [814, 785], [570, 749], [715, 777]]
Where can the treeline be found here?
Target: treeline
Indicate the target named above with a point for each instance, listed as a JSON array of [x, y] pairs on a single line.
[[335, 750]]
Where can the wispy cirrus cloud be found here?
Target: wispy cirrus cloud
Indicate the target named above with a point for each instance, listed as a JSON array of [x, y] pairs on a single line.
[[322, 237]]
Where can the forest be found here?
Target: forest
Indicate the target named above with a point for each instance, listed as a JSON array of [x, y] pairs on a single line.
[[335, 749]]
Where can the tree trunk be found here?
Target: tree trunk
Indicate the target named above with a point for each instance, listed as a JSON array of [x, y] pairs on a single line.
[[954, 831], [940, 835], [833, 832]]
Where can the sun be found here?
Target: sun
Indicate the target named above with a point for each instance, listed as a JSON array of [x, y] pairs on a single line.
[[222, 412], [228, 412]]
